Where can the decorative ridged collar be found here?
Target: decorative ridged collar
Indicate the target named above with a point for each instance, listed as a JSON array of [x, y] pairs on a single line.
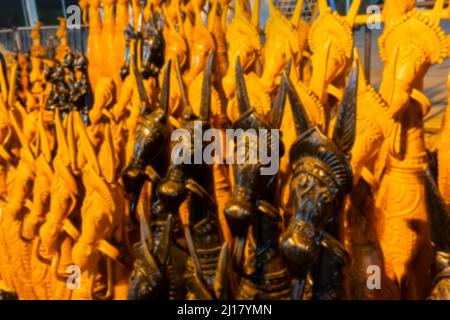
[[424, 31]]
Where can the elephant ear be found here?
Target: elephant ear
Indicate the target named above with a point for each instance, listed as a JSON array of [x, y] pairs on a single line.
[[345, 128]]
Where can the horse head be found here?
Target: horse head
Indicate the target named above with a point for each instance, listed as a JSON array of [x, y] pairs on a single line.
[[321, 178], [249, 181]]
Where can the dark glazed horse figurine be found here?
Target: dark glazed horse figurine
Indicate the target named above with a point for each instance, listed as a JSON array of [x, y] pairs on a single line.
[[253, 203], [148, 280], [188, 187], [148, 44], [322, 177]]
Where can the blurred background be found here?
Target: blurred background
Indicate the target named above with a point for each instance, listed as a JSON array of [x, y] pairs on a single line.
[[17, 18]]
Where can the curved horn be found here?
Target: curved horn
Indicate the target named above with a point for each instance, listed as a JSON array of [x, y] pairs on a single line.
[[241, 92], [345, 128], [300, 117], [353, 12], [165, 90], [205, 105], [297, 15], [255, 13]]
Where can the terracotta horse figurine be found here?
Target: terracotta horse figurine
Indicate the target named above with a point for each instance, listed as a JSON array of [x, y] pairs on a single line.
[[331, 42], [94, 41], [99, 249], [409, 46], [8, 159], [52, 247]]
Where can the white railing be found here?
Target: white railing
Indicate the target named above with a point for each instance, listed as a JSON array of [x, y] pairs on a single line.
[[20, 38]]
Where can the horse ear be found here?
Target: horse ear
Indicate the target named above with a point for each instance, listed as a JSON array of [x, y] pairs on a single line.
[[12, 85], [184, 100], [205, 105], [212, 16], [43, 140], [271, 8], [180, 20], [318, 79], [255, 14], [107, 161], [198, 14], [276, 114], [3, 78], [345, 128], [394, 9], [241, 92], [437, 11], [323, 6], [71, 142], [170, 24], [301, 119], [144, 100], [63, 148], [353, 12], [297, 15], [86, 146], [165, 90]]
